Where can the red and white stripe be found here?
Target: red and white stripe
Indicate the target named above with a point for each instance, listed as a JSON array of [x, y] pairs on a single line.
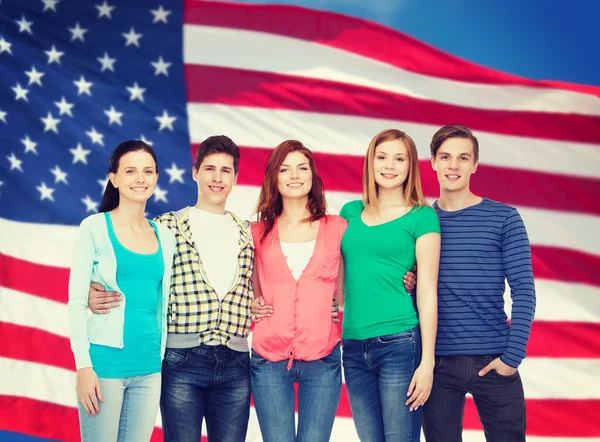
[[263, 74]]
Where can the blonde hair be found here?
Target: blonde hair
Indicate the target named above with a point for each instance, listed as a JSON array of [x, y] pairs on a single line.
[[413, 192]]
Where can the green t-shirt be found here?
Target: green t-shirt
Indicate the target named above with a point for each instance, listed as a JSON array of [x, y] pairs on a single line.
[[376, 258]]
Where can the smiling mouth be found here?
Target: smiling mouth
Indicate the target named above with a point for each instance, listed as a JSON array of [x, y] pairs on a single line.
[[389, 175], [139, 189], [295, 185], [216, 189], [453, 177]]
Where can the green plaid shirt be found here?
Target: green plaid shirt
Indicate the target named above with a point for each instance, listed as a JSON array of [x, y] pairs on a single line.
[[194, 306]]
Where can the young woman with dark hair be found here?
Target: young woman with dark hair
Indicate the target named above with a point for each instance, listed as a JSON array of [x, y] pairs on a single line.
[[118, 355], [298, 271]]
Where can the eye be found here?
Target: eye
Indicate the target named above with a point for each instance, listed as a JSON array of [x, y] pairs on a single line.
[[129, 171], [380, 157], [400, 159], [443, 157], [149, 172], [304, 168], [226, 171], [283, 169], [464, 158]]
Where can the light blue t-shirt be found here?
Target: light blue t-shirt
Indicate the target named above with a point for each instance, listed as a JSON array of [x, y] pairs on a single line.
[[139, 276]]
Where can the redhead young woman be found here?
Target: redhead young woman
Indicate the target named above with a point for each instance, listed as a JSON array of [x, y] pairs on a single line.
[[388, 354], [298, 271], [118, 355]]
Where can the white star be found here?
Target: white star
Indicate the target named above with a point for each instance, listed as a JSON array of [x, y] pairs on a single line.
[[20, 93], [80, 154], [90, 205], [34, 76], [45, 192], [5, 46], [114, 116], [132, 38], [107, 62], [159, 14], [50, 4], [166, 121], [104, 10], [136, 92], [95, 137], [59, 175], [3, 116], [64, 107], [77, 32], [148, 142], [175, 174], [103, 183], [15, 163], [24, 25], [29, 145], [50, 123], [160, 194], [83, 86], [161, 66], [54, 55]]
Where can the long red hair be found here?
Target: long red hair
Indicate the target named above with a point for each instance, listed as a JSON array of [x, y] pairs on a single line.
[[270, 204]]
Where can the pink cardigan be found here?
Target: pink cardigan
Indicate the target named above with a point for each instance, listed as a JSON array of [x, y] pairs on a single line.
[[301, 326]]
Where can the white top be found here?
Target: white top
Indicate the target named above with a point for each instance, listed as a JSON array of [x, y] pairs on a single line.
[[297, 255], [216, 238]]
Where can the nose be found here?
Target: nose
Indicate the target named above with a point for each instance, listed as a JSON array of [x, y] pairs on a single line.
[[140, 178], [218, 176], [389, 163], [453, 164]]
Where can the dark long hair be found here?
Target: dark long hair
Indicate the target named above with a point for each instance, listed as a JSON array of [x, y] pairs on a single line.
[[110, 200], [270, 204]]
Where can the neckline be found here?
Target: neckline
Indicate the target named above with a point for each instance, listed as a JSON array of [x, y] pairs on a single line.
[[387, 222], [450, 212], [112, 229], [317, 240]]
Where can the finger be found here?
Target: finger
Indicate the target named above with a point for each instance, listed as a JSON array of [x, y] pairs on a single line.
[[99, 391], [261, 316], [485, 370], [414, 396], [414, 269], [83, 404], [411, 387], [335, 319], [97, 286], [88, 405], [261, 300], [418, 402], [95, 403]]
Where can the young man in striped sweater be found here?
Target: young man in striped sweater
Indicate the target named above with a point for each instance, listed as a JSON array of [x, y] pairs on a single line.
[[477, 351]]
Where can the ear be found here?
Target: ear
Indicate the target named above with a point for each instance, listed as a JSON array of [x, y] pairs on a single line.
[[235, 177], [475, 168], [433, 163], [113, 179], [195, 174]]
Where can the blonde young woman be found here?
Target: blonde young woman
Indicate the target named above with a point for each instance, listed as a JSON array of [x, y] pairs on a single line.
[[388, 355]]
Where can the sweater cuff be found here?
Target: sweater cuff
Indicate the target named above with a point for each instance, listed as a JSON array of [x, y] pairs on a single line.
[[511, 362]]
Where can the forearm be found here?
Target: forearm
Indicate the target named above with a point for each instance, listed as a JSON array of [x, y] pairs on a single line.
[[523, 309], [428, 319]]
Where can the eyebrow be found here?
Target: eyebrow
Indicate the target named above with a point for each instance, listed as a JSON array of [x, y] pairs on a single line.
[[301, 164], [385, 153], [448, 153], [212, 165]]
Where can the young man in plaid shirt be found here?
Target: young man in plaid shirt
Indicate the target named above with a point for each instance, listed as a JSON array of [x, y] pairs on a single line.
[[206, 364]]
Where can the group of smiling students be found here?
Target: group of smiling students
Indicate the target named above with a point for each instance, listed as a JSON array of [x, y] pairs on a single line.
[[172, 301]]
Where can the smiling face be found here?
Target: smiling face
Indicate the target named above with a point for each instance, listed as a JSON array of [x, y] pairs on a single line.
[[390, 164], [454, 164], [295, 177], [215, 177], [136, 176]]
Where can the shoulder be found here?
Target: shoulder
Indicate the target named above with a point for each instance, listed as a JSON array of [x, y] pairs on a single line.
[[351, 209], [500, 210], [93, 222], [165, 233], [335, 222], [257, 228], [245, 224]]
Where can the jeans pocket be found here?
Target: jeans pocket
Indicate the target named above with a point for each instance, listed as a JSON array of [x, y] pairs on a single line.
[[257, 360], [174, 357], [396, 338], [333, 359], [244, 360], [502, 376], [438, 362]]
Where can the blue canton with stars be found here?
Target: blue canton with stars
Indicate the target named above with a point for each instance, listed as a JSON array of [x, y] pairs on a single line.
[[78, 78]]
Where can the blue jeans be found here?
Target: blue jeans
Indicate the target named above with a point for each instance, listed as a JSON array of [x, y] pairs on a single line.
[[319, 388], [211, 382], [378, 372], [500, 400], [128, 413]]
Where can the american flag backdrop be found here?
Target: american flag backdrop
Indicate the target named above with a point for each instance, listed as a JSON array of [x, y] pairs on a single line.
[[78, 77]]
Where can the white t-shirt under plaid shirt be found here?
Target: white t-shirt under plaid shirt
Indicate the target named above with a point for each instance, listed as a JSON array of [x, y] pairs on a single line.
[[216, 238]]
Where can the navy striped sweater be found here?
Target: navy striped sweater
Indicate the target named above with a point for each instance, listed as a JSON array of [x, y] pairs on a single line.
[[481, 246]]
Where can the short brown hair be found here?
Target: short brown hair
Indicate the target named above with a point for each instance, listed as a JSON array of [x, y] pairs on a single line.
[[413, 192], [270, 204], [218, 144], [453, 131]]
